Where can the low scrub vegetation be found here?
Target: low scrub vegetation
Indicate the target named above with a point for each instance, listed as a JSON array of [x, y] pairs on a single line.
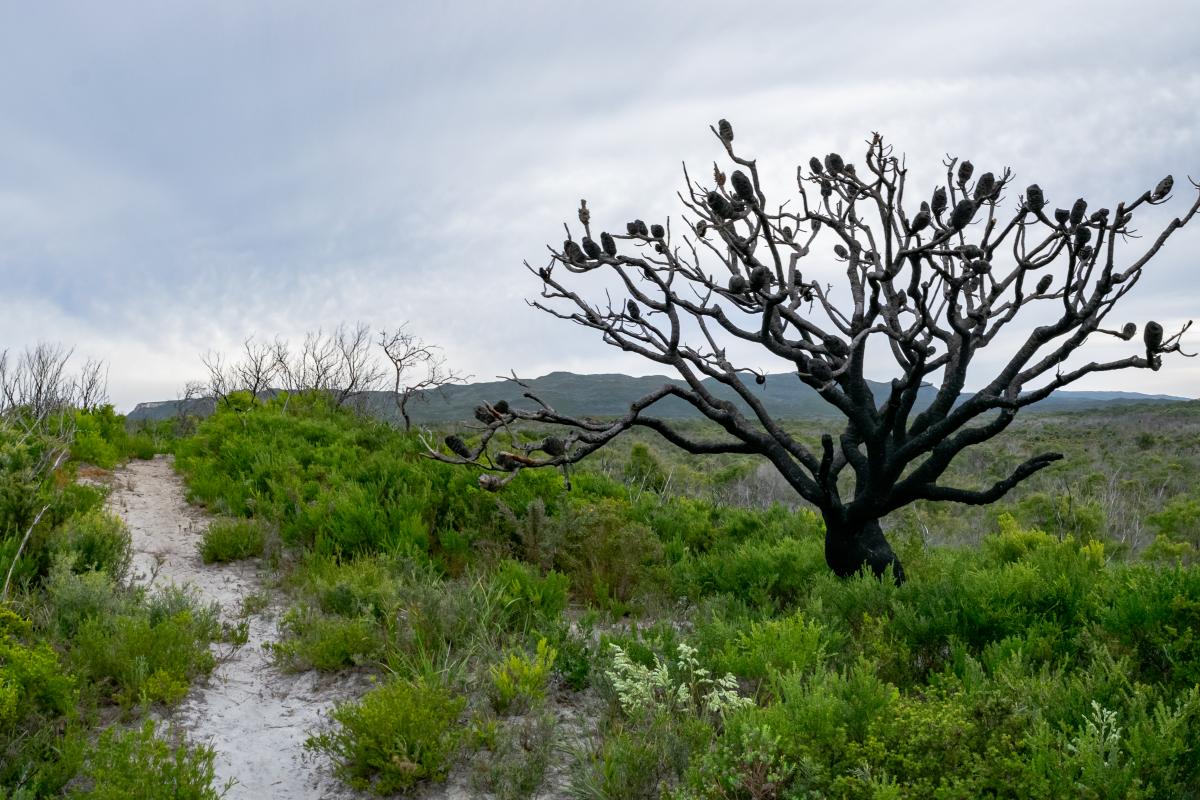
[[714, 651]]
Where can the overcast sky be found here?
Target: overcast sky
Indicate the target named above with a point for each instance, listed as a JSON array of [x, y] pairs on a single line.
[[175, 177]]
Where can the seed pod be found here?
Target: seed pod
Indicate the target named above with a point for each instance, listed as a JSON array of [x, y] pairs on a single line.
[[718, 176], [484, 415], [1152, 335], [814, 164], [1083, 235], [970, 251], [501, 406], [725, 131], [1061, 215], [1034, 199], [939, 201], [985, 187], [921, 221], [816, 225], [1128, 331], [788, 233], [840, 251], [965, 170], [742, 186], [1085, 252], [458, 446], [760, 277], [642, 230], [591, 248], [736, 207], [719, 205], [572, 252], [631, 228], [554, 446], [834, 163], [660, 248], [981, 266], [819, 370], [585, 216], [1100, 215], [962, 214], [658, 231], [505, 461], [826, 188], [1044, 284], [737, 284], [1078, 210], [633, 309], [490, 483], [1163, 188], [760, 379], [701, 229], [608, 244]]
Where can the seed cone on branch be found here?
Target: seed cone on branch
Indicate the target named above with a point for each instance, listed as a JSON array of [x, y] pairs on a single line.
[[840, 251], [591, 248], [939, 201], [742, 186], [965, 170], [985, 187], [507, 462], [642, 230], [725, 131], [814, 164], [1163, 188], [1128, 331], [554, 446], [1061, 215], [1034, 199], [963, 214], [737, 284], [1078, 210], [719, 205], [491, 483], [634, 311], [458, 446], [1082, 236], [1044, 284], [701, 229], [608, 244], [572, 252], [1152, 335], [501, 406], [484, 414], [826, 188], [834, 163], [658, 231], [922, 220], [760, 379], [760, 277]]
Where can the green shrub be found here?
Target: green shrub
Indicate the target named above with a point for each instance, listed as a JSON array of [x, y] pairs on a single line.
[[141, 763], [529, 601], [232, 540], [516, 765], [518, 683], [149, 653], [396, 736], [320, 641], [98, 541]]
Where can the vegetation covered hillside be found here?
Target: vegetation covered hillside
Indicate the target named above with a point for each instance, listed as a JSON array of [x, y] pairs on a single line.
[[689, 648]]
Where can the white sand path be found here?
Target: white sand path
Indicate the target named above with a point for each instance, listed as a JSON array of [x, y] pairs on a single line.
[[253, 714]]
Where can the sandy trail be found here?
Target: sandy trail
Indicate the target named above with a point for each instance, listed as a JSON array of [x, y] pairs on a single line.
[[254, 715]]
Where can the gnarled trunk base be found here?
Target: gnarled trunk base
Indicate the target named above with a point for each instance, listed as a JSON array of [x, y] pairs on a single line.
[[848, 549]]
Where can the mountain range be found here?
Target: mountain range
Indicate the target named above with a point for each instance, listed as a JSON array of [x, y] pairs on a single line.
[[609, 395]]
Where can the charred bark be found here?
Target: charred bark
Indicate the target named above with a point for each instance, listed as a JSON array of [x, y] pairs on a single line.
[[851, 548]]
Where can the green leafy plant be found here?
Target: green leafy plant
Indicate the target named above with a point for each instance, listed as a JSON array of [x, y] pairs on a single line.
[[518, 683], [232, 540], [395, 737], [144, 764]]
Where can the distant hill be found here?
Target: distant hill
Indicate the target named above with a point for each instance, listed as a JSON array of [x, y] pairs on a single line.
[[609, 395]]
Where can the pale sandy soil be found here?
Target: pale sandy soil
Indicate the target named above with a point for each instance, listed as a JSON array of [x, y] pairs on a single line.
[[254, 715]]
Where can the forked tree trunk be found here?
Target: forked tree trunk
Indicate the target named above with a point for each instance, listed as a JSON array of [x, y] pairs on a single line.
[[849, 548]]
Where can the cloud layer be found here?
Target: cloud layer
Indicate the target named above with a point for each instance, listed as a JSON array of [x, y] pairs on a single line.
[[175, 179]]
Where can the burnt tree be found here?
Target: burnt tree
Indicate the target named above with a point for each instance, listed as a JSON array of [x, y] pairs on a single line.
[[936, 279]]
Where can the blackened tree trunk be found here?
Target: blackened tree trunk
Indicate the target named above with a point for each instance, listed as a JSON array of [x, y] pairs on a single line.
[[853, 547], [853, 262]]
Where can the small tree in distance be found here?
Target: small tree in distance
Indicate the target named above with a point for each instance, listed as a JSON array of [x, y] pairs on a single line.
[[934, 282]]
